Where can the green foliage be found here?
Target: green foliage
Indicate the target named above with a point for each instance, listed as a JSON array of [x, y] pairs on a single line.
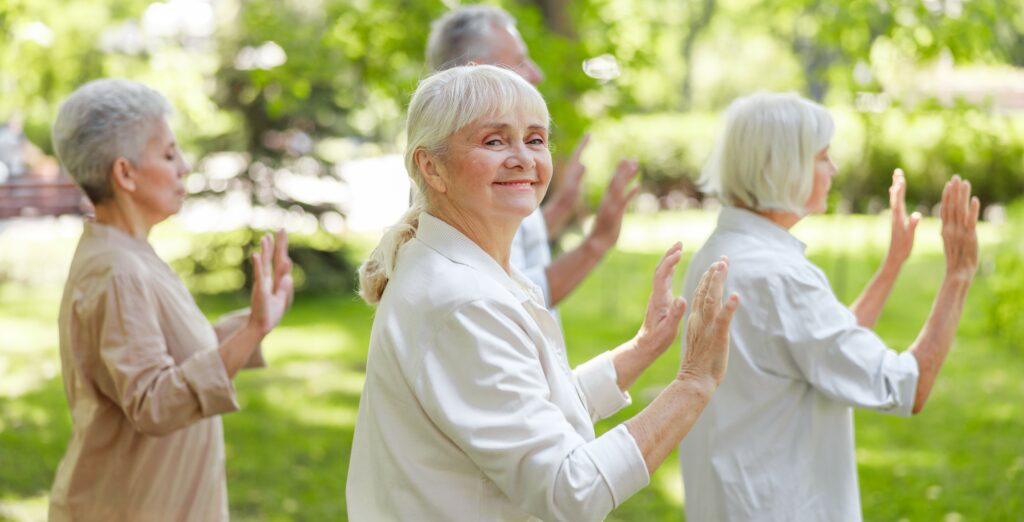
[[218, 263], [1005, 308], [929, 144]]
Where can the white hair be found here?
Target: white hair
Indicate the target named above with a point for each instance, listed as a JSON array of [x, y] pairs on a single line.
[[100, 122], [461, 36], [443, 104], [764, 159]]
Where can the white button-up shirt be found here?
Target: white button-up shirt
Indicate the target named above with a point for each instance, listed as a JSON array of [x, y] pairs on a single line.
[[470, 410], [776, 440], [531, 253]]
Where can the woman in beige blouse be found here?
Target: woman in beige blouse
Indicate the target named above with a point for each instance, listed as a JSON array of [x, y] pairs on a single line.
[[145, 373]]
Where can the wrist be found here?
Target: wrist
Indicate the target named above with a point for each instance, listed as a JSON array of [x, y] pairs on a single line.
[[595, 247], [703, 386]]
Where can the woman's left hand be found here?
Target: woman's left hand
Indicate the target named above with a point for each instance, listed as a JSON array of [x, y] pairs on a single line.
[[664, 312], [903, 228]]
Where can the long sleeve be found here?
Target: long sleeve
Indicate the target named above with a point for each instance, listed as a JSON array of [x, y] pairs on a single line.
[[599, 384], [828, 349], [157, 395], [230, 323], [483, 385]]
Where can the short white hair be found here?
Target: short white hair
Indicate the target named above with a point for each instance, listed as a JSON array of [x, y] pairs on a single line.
[[443, 104], [461, 36], [764, 159], [100, 122]]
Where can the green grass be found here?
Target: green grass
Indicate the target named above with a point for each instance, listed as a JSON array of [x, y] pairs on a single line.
[[288, 449]]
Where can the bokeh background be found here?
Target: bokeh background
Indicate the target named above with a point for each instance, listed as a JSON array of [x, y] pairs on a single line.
[[291, 113]]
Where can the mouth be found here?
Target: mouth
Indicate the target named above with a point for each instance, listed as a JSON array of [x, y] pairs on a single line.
[[517, 183]]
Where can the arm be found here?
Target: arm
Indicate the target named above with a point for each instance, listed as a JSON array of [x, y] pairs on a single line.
[[605, 378], [960, 242], [559, 208], [159, 396], [662, 425], [569, 270], [869, 304], [272, 293]]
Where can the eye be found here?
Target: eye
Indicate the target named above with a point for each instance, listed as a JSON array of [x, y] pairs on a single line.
[[536, 141], [493, 142]]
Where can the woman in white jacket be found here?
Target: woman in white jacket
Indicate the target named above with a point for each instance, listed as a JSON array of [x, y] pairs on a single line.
[[470, 410]]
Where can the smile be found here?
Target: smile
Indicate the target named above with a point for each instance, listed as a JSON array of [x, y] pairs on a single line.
[[516, 183]]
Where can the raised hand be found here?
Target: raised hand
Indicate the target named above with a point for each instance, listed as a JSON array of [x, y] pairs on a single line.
[[608, 222], [707, 329], [903, 228], [272, 289], [664, 312], [959, 235]]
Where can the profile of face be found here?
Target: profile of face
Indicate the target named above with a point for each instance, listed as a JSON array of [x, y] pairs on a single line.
[[824, 171], [494, 170], [155, 182], [508, 49]]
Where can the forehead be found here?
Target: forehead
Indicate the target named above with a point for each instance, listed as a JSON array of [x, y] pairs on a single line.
[[160, 133]]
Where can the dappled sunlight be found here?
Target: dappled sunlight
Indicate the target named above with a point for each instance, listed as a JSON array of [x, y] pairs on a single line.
[[28, 509]]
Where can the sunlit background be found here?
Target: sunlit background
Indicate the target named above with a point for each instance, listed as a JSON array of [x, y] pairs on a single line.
[[291, 114]]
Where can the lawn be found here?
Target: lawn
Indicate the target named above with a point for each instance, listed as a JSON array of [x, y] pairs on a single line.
[[288, 449]]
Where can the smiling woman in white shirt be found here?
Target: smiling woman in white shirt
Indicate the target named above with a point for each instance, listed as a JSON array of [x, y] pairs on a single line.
[[776, 442], [470, 410]]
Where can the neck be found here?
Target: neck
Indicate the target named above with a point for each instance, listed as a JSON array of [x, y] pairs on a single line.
[[494, 238], [781, 218], [124, 217]]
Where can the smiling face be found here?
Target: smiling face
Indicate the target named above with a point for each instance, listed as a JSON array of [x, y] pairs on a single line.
[[494, 171], [824, 171], [154, 183]]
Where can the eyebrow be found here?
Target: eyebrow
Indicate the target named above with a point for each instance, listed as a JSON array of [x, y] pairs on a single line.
[[497, 125]]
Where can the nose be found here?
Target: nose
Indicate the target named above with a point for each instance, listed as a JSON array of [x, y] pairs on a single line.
[[183, 166], [531, 72], [520, 158]]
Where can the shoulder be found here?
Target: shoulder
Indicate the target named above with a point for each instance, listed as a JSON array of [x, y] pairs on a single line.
[[429, 281]]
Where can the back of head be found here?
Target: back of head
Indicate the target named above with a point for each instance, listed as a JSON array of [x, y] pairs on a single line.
[[764, 159], [460, 36], [100, 122], [443, 104]]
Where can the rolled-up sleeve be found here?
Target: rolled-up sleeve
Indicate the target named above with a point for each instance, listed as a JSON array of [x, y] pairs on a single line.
[[156, 395], [483, 385], [841, 359], [598, 380]]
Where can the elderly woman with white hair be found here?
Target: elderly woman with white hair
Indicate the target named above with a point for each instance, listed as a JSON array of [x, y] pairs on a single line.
[[470, 410], [776, 442], [146, 375]]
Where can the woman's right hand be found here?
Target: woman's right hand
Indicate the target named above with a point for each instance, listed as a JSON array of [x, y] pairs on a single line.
[[959, 235], [707, 329], [272, 287]]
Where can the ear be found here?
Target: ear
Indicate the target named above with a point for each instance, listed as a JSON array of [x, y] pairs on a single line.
[[123, 175], [430, 166]]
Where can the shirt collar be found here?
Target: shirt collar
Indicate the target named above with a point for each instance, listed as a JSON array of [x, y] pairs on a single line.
[[458, 248], [116, 237], [750, 223]]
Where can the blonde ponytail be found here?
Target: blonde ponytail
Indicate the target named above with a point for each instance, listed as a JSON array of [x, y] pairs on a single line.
[[377, 270]]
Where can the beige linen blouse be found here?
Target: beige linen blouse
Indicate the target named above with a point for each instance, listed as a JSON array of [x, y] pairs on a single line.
[[145, 385]]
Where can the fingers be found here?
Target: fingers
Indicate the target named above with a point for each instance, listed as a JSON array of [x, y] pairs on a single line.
[[915, 218], [257, 271], [624, 173], [947, 203], [975, 208], [700, 294], [897, 196], [715, 288], [668, 262], [576, 154], [724, 318]]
